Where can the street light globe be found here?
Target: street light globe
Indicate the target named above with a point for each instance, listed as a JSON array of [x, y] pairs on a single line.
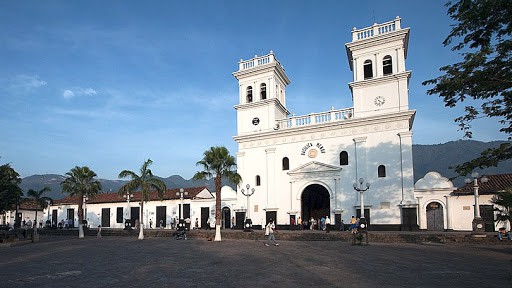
[[474, 174], [355, 186], [467, 180]]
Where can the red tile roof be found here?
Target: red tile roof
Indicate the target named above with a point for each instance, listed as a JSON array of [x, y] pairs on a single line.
[[495, 183], [29, 204], [170, 194]]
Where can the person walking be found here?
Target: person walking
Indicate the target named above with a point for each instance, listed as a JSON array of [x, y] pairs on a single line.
[[269, 231], [327, 224]]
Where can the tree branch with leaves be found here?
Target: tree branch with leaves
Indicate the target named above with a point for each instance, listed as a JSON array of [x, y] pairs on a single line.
[[482, 37]]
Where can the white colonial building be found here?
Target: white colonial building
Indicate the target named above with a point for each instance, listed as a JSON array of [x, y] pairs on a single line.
[[305, 166], [111, 210]]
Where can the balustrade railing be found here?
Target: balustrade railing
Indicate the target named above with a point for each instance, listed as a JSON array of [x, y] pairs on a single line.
[[376, 29], [256, 61], [315, 118]]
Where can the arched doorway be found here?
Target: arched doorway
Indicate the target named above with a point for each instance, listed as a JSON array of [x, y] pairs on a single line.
[[315, 202], [226, 218], [435, 217]]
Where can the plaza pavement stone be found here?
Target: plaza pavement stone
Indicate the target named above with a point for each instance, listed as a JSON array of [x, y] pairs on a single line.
[[66, 261]]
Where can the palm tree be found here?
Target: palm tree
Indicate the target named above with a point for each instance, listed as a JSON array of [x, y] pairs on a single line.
[[217, 163], [41, 201], [503, 206], [80, 182], [145, 182]]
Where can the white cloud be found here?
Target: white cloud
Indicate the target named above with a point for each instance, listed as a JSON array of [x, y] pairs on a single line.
[[68, 94], [88, 91], [24, 83], [78, 91]]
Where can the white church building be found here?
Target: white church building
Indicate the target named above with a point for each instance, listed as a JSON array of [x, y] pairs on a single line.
[[305, 166]]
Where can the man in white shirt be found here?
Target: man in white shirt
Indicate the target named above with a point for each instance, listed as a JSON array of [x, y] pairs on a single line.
[[269, 231]]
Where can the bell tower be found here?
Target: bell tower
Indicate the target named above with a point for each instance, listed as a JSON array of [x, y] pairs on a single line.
[[262, 85], [376, 57]]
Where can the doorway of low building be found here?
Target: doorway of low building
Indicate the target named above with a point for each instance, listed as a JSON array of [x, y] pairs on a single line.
[[54, 218], [134, 215], [161, 216], [487, 214], [226, 218], [105, 217], [435, 217], [315, 202], [71, 217], [205, 214]]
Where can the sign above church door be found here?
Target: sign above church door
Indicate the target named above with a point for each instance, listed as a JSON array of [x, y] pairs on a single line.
[[312, 150]]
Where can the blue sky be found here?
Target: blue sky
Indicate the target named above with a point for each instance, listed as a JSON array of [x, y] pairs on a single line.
[[108, 84]]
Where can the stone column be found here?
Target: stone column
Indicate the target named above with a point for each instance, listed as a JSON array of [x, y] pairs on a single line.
[[406, 167], [270, 177], [360, 157], [448, 213]]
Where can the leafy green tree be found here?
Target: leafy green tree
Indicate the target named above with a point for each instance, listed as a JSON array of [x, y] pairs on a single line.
[[482, 36], [80, 181], [41, 200], [143, 183], [218, 164], [10, 192], [503, 206]]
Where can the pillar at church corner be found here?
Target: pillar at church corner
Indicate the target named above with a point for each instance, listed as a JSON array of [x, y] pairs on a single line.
[[305, 165]]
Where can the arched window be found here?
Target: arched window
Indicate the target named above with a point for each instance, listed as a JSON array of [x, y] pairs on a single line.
[[286, 163], [368, 69], [263, 91], [344, 158], [258, 180], [387, 65], [381, 171], [249, 94]]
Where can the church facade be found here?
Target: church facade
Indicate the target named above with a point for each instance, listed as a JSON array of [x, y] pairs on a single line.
[[310, 165]]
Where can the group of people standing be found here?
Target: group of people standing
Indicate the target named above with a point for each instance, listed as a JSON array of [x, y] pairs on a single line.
[[323, 224]]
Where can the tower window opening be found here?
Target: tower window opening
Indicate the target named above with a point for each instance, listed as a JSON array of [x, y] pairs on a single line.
[[263, 91], [286, 163], [368, 69], [344, 158], [249, 94], [381, 171], [258, 180], [387, 65]]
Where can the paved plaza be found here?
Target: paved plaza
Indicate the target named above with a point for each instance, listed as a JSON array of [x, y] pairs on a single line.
[[63, 261]]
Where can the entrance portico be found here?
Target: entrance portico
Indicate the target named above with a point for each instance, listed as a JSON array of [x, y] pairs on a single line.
[[314, 187]]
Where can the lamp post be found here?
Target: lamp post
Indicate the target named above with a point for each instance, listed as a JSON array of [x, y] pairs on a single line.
[[478, 222], [128, 222], [182, 193], [248, 193], [361, 190]]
